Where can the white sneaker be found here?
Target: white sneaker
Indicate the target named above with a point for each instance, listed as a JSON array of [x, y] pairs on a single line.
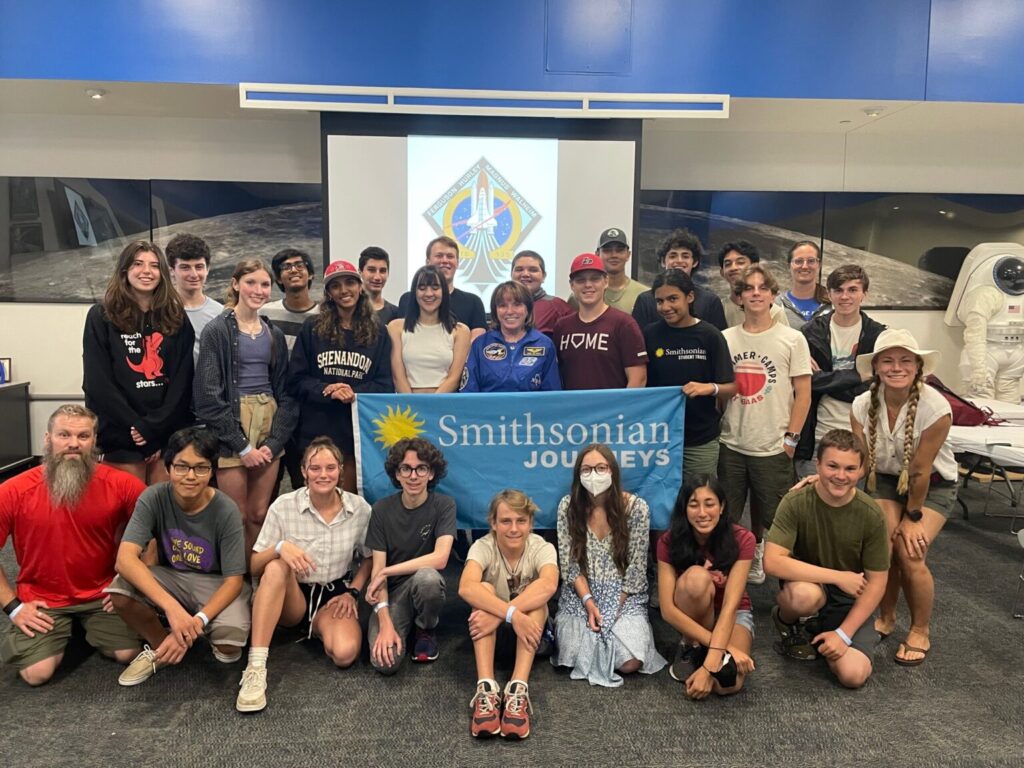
[[756, 575], [253, 696], [142, 668]]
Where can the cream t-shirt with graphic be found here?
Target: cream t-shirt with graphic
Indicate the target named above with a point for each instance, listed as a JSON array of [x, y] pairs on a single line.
[[510, 583], [832, 413]]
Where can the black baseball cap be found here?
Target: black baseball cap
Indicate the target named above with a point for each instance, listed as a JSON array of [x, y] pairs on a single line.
[[612, 235]]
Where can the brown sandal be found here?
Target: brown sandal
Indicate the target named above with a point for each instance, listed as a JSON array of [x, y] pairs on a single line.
[[911, 662]]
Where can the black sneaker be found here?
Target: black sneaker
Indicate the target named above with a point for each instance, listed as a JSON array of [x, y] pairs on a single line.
[[424, 650], [793, 639], [688, 658]]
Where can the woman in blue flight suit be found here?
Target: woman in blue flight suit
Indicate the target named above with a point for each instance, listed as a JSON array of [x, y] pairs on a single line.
[[514, 356]]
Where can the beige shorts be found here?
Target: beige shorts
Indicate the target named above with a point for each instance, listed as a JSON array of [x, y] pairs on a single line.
[[256, 415]]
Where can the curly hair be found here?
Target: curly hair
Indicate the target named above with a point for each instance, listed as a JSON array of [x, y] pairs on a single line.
[[187, 247], [681, 239], [581, 504], [721, 545], [166, 312], [903, 484], [427, 452], [365, 325]]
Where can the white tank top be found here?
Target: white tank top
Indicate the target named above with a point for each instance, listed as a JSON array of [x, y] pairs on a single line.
[[427, 354]]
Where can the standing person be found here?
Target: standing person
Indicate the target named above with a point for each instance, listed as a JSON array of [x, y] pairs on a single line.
[[621, 292], [312, 565], [64, 518], [510, 575], [828, 548], [411, 535], [293, 273], [682, 250], [198, 582], [600, 347], [428, 346], [189, 259], [912, 473], [374, 265], [806, 298], [342, 351], [762, 422], [835, 339], [684, 351], [601, 624], [241, 393], [733, 260], [467, 308], [528, 268], [137, 359], [703, 561], [514, 356]]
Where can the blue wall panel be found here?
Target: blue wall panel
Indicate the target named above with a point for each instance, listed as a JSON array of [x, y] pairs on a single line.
[[975, 51], [871, 49]]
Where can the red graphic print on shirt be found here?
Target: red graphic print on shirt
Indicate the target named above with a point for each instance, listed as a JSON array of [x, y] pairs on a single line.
[[152, 365]]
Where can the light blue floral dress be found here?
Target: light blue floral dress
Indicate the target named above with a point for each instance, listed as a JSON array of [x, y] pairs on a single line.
[[626, 634]]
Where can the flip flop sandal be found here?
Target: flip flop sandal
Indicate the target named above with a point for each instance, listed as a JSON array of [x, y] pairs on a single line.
[[911, 662]]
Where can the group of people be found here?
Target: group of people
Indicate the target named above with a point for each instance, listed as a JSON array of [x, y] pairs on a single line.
[[202, 402]]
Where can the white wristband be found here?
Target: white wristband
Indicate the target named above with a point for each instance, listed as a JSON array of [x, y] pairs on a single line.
[[508, 614], [715, 393], [278, 547], [15, 612], [843, 636], [586, 597], [248, 449], [204, 617], [382, 604]]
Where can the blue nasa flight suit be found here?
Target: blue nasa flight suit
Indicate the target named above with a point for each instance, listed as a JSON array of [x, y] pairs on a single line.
[[495, 365]]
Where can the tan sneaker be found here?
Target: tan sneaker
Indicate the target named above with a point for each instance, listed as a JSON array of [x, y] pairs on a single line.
[[143, 667], [253, 696]]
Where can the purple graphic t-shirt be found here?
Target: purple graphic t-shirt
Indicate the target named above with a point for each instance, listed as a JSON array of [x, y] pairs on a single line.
[[210, 541]]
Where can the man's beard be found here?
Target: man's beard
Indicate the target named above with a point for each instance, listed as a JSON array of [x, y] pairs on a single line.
[[67, 478]]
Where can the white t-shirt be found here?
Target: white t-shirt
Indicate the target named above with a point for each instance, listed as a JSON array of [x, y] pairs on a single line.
[[734, 313], [832, 413], [508, 584], [200, 316], [757, 417], [889, 449]]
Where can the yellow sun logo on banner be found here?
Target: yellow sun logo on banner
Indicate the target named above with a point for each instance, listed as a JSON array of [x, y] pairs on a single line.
[[397, 424]]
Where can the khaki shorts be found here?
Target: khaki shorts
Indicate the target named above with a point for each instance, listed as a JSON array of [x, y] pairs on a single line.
[[194, 590], [106, 632], [256, 415]]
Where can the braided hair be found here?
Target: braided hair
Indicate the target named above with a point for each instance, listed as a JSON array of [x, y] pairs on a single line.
[[903, 484]]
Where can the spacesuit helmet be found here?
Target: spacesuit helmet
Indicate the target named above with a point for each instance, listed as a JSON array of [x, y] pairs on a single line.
[[1008, 275]]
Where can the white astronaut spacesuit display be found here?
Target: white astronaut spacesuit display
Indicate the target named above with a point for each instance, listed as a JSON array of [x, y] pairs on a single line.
[[988, 300]]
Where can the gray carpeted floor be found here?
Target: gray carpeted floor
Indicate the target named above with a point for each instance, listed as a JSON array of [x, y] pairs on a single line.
[[963, 707]]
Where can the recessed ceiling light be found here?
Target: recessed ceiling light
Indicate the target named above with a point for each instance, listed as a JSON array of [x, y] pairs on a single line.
[[873, 111], [895, 207], [942, 213], [95, 93]]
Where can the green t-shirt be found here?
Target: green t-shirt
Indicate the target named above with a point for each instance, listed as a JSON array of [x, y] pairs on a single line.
[[848, 538]]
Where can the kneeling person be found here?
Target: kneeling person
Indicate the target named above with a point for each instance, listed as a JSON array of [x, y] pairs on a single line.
[[410, 535], [829, 547], [510, 575], [198, 582]]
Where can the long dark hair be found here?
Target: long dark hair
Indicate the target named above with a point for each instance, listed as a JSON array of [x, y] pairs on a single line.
[[166, 312], [365, 325], [580, 504], [721, 546], [429, 276]]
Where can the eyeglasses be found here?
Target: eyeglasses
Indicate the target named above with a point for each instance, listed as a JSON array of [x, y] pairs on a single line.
[[805, 262], [294, 266], [600, 469], [420, 470], [200, 470]]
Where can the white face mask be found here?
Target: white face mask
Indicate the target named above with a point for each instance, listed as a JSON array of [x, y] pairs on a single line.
[[597, 484]]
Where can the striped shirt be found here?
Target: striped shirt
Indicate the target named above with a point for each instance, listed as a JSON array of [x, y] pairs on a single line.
[[336, 548]]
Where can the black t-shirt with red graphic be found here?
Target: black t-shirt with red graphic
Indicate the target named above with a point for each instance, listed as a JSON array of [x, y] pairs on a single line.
[[141, 379]]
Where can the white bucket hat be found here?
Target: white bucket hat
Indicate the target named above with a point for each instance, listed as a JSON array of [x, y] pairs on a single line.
[[893, 338]]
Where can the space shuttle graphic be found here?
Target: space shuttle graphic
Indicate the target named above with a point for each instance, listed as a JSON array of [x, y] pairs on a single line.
[[482, 217]]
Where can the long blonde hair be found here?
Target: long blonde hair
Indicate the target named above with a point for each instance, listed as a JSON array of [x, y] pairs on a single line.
[[903, 484]]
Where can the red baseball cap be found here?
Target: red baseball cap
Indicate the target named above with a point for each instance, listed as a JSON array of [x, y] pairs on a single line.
[[587, 262], [338, 269]]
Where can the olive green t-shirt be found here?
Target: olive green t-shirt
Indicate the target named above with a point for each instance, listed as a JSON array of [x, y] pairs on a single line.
[[847, 538]]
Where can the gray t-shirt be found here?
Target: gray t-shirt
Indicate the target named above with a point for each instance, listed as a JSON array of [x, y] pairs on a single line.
[[200, 316], [209, 541], [403, 534]]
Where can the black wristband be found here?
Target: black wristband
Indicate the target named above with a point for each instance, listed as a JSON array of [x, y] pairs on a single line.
[[355, 593], [10, 607]]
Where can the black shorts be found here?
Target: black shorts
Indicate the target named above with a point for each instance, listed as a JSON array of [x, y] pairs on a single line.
[[837, 606], [317, 596]]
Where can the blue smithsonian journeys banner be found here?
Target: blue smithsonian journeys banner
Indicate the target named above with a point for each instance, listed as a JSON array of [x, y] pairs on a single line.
[[528, 441]]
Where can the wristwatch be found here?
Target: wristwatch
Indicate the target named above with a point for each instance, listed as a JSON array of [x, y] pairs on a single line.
[[792, 436], [914, 515]]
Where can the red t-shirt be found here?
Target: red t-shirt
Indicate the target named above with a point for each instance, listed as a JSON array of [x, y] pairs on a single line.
[[66, 556], [744, 541], [548, 311], [595, 355]]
